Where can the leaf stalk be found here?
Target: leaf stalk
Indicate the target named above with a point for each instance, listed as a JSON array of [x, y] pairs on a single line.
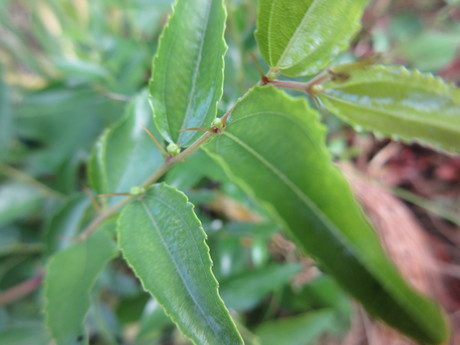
[[312, 87]]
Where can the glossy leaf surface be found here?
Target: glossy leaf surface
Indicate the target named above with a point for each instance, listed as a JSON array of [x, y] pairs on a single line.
[[300, 37], [187, 77], [69, 279], [400, 103], [274, 148], [163, 241], [125, 156]]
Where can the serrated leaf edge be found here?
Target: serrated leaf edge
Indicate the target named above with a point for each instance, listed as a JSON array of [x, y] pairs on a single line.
[[214, 281], [315, 66], [398, 297], [219, 95], [425, 79]]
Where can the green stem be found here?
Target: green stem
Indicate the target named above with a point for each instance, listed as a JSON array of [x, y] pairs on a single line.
[[22, 289], [18, 175], [169, 162], [23, 249], [308, 87]]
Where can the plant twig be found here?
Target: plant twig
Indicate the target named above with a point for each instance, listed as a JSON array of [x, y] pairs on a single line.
[[263, 78], [101, 218], [93, 200], [157, 143], [169, 162], [18, 175], [308, 87], [23, 249], [22, 289]]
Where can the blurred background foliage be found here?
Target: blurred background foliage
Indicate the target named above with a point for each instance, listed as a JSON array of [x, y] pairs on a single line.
[[67, 70]]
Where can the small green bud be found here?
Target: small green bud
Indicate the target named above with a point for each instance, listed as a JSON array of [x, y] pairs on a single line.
[[218, 123], [273, 73], [136, 191], [317, 89], [173, 149]]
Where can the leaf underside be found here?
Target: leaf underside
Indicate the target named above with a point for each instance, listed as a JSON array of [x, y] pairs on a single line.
[[396, 102], [163, 241], [273, 147], [187, 77]]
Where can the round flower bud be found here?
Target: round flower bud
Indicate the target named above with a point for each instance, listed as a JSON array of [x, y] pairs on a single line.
[[317, 89], [218, 123], [136, 191], [173, 149]]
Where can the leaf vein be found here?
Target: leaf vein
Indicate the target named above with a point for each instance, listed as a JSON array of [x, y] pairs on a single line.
[[178, 270], [400, 115], [191, 94]]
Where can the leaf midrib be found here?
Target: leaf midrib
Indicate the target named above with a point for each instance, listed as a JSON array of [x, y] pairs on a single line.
[[329, 224], [196, 69], [398, 115], [296, 32], [178, 270], [270, 22], [305, 199], [416, 82]]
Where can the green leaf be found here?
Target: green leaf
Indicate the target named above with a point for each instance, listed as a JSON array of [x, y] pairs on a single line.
[[274, 148], [296, 330], [24, 334], [164, 243], [187, 77], [322, 292], [125, 156], [64, 225], [130, 309], [18, 200], [400, 103], [300, 37], [6, 119], [85, 71], [431, 51], [9, 241], [103, 322], [64, 122], [152, 324], [244, 291], [325, 291], [70, 277], [188, 175]]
